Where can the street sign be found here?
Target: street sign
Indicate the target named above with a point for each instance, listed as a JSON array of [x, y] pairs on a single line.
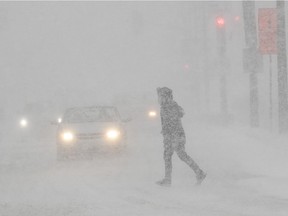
[[267, 30]]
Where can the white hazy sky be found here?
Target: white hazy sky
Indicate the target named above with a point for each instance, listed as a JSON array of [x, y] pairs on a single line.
[[92, 46], [87, 52]]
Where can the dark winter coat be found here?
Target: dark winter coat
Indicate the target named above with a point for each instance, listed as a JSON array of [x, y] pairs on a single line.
[[171, 114]]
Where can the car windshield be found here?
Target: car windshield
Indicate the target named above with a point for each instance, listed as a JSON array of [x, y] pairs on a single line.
[[91, 114]]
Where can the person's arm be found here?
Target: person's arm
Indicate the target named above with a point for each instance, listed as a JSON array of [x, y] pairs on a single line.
[[162, 121], [181, 111]]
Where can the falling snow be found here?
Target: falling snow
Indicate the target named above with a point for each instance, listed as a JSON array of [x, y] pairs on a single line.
[[227, 118]]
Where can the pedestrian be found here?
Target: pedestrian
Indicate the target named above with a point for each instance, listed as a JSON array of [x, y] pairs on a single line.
[[174, 136]]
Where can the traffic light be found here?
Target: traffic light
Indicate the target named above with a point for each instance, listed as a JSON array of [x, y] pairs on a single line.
[[220, 33], [237, 18], [186, 66], [220, 22]]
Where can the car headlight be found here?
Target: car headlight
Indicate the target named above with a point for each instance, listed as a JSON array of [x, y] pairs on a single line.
[[67, 136], [152, 114], [23, 123], [113, 134]]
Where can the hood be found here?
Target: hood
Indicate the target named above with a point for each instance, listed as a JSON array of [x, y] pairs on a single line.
[[93, 127]]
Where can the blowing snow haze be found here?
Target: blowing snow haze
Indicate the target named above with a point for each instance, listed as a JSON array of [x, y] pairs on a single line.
[[93, 50], [103, 57], [74, 52]]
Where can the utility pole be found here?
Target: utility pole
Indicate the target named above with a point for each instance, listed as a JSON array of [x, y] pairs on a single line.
[[221, 39], [282, 67], [252, 67]]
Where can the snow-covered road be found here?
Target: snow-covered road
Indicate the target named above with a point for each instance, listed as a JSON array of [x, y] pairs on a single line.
[[247, 175]]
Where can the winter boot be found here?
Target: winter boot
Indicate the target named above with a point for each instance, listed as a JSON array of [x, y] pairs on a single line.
[[200, 177], [164, 182]]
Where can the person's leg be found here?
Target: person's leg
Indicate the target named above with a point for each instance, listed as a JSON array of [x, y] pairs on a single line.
[[180, 150], [187, 159], [168, 153]]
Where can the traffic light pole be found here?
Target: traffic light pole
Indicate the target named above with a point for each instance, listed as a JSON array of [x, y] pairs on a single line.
[[221, 38], [251, 42]]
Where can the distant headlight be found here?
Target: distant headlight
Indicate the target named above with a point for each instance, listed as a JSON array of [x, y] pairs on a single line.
[[112, 134], [67, 136], [152, 114], [23, 123], [59, 120]]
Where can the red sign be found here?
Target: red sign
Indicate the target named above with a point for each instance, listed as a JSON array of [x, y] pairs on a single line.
[[267, 28]]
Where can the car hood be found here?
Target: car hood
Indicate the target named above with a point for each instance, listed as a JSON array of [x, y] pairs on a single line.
[[93, 127]]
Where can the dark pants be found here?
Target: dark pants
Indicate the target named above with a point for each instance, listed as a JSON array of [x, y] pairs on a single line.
[[177, 143]]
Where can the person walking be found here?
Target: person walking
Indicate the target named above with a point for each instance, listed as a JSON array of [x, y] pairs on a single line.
[[174, 136]]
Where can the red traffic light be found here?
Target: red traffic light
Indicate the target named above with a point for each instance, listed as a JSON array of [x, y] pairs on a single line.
[[237, 18], [220, 22], [186, 66]]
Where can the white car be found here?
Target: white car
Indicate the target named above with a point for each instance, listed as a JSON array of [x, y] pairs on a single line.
[[89, 129]]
